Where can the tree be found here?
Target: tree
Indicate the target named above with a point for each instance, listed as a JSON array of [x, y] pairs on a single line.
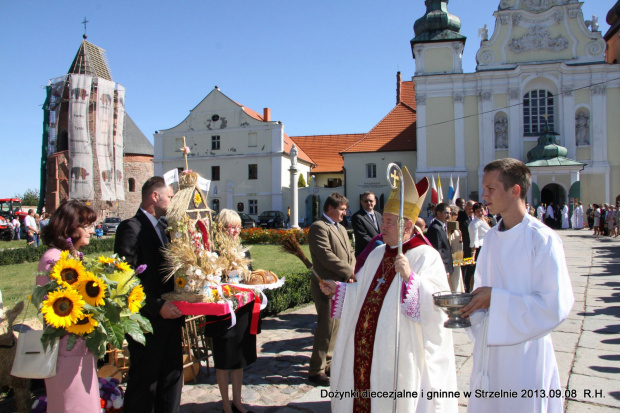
[[301, 182], [30, 197]]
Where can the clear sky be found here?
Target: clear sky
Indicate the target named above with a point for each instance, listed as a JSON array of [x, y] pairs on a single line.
[[321, 66]]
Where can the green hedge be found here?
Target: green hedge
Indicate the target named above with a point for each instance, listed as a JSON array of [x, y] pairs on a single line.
[[30, 254], [294, 292]]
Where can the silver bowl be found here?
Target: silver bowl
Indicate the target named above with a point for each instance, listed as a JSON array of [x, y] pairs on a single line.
[[451, 302]]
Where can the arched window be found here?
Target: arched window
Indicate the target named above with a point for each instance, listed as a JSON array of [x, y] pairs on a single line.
[[132, 185], [538, 111]]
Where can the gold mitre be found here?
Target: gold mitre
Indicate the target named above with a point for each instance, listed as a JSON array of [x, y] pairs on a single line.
[[414, 197]]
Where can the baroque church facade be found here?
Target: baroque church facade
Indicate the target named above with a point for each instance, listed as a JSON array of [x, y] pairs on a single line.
[[542, 93]]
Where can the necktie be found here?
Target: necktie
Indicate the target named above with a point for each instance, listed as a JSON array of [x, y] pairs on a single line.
[[374, 221], [161, 228]]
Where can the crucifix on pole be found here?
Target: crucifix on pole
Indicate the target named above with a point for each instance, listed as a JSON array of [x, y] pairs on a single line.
[[185, 150]]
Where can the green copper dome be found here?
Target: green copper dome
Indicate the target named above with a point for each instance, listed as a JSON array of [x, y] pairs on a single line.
[[437, 24], [547, 148]]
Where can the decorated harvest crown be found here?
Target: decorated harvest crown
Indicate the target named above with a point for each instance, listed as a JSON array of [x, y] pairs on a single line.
[[414, 197]]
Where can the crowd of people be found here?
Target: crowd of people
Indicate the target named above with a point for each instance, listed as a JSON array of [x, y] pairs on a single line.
[[604, 219], [363, 294]]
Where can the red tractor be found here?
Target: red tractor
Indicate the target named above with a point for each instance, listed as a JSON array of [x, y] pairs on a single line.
[[10, 208]]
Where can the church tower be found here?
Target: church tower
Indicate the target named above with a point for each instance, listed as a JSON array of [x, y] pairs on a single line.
[[437, 45], [92, 150]]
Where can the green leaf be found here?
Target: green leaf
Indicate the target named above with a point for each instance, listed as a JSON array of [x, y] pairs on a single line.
[[71, 340], [112, 311], [133, 329], [144, 322], [94, 342], [116, 334]]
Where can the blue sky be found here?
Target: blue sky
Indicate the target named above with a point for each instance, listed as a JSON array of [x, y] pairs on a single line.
[[321, 66]]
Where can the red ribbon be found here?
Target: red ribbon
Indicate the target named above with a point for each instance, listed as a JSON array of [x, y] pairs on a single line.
[[255, 310]]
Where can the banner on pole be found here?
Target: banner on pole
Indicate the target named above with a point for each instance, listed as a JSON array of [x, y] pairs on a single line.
[[104, 139], [119, 142]]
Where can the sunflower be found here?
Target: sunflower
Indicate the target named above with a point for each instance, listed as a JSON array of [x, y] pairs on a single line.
[[92, 289], [123, 266], [67, 272], [84, 325], [62, 308], [105, 260], [197, 199], [180, 281], [135, 299]]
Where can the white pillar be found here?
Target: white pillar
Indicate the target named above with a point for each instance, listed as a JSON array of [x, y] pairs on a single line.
[[294, 197]]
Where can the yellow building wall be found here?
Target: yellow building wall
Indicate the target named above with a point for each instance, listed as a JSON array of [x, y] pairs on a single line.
[[439, 60], [501, 154], [528, 146], [440, 150], [472, 144], [563, 180], [500, 101], [583, 154], [613, 140], [592, 188], [582, 97], [542, 54]]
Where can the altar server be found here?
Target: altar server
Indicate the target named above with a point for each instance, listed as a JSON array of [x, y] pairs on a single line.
[[522, 292], [365, 348]]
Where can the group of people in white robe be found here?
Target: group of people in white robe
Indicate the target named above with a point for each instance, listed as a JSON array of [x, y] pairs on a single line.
[[559, 218], [522, 292]]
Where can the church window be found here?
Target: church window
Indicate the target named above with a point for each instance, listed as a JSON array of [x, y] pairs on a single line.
[[215, 173], [215, 204], [252, 171], [371, 170], [253, 206], [538, 111], [215, 143], [132, 184]]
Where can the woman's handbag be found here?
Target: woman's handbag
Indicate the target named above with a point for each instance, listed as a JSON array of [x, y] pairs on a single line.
[[31, 360]]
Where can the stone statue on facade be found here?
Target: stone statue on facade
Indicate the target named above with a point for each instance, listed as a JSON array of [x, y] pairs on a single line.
[[293, 155], [582, 129], [501, 132]]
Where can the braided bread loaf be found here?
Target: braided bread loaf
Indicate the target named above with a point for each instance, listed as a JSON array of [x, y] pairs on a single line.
[[261, 277]]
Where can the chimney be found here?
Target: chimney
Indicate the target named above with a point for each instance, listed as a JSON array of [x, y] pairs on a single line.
[[398, 82], [267, 115]]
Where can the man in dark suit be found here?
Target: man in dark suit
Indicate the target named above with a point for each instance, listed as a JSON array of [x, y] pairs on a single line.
[[464, 218], [333, 258], [437, 234], [366, 222], [155, 376]]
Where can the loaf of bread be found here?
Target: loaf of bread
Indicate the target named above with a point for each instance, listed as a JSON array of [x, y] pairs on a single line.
[[261, 277]]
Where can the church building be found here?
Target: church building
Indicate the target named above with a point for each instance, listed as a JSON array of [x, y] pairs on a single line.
[[542, 93], [92, 150]]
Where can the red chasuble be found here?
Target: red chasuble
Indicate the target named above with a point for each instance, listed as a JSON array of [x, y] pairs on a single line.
[[366, 327]]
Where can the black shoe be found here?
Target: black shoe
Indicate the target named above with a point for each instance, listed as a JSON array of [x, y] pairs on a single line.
[[320, 379]]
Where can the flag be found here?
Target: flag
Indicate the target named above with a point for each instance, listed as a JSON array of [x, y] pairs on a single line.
[[439, 191], [451, 192], [434, 198], [457, 190]]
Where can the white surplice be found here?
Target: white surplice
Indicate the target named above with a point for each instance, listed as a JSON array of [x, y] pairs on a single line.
[[565, 217], [531, 295], [426, 355]]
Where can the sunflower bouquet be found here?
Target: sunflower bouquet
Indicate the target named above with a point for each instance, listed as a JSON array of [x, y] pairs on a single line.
[[97, 300]]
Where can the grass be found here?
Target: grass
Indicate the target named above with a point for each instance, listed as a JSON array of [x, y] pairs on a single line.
[[12, 244], [17, 281]]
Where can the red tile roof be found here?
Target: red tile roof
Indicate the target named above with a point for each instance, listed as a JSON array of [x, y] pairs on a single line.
[[395, 132], [325, 149], [288, 144]]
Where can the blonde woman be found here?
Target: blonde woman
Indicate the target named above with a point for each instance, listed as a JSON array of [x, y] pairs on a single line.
[[235, 349]]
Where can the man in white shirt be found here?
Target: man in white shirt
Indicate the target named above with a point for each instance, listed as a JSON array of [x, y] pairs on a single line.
[[522, 291], [32, 229]]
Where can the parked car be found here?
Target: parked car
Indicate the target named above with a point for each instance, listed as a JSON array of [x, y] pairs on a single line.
[[247, 221], [110, 224], [272, 219]]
